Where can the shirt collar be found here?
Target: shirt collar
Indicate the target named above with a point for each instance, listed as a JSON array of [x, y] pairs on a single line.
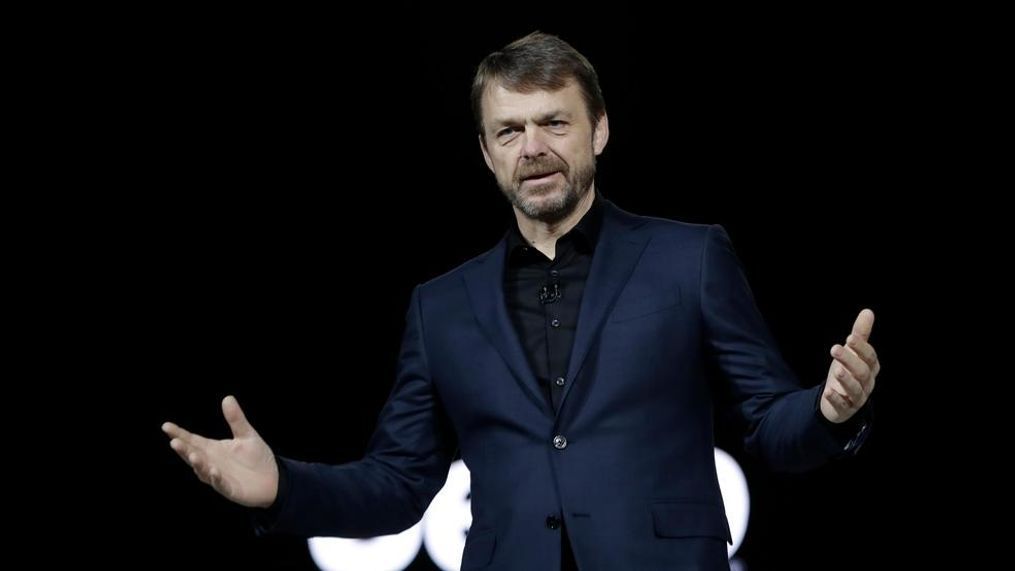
[[584, 234]]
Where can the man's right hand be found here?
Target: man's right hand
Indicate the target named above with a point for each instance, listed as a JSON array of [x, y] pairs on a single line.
[[241, 468]]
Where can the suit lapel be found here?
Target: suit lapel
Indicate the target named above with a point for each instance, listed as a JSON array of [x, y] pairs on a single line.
[[617, 253], [485, 284]]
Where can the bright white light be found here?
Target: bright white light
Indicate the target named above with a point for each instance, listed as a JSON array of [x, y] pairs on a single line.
[[442, 529], [447, 520], [384, 553], [735, 496]]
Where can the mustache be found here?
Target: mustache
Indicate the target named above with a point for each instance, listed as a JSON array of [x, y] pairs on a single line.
[[540, 167]]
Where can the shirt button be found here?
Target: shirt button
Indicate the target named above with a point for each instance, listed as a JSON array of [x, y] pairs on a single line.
[[553, 522], [560, 381], [555, 323], [559, 442]]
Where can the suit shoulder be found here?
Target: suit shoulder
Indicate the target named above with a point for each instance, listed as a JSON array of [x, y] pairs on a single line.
[[677, 228], [672, 231]]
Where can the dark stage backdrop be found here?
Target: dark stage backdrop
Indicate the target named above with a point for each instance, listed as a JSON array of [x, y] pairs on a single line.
[[296, 176]]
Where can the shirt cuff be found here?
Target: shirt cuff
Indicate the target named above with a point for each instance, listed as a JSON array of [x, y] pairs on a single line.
[[850, 434]]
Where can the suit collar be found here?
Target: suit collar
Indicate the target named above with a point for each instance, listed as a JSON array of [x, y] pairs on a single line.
[[484, 283], [617, 253]]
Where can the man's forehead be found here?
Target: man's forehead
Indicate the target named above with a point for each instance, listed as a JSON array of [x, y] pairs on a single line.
[[502, 103], [499, 90]]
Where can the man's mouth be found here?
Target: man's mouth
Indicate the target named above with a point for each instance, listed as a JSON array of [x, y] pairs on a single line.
[[538, 176]]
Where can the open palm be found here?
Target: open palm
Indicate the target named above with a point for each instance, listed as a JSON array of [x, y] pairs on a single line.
[[241, 468]]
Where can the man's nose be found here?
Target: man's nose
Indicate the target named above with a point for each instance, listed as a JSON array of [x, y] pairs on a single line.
[[534, 145]]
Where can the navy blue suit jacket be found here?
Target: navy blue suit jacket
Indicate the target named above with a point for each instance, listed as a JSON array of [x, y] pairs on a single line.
[[665, 304]]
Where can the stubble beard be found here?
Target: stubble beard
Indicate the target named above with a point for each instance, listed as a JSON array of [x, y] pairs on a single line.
[[553, 200]]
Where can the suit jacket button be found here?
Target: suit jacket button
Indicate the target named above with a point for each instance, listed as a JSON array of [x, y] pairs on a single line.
[[553, 522], [559, 442]]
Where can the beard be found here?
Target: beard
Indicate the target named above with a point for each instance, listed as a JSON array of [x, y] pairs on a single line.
[[550, 201]]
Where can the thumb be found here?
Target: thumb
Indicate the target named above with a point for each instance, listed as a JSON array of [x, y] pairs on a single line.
[[863, 324], [234, 416]]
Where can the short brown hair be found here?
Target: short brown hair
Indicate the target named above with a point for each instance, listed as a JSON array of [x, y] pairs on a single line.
[[537, 62]]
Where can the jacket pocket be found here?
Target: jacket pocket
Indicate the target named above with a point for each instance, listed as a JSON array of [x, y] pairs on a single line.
[[634, 308], [479, 547], [690, 519]]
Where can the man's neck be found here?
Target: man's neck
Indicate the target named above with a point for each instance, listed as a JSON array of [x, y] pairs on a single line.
[[543, 235]]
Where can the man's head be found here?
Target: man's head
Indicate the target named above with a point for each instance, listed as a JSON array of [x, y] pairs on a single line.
[[542, 121], [538, 62]]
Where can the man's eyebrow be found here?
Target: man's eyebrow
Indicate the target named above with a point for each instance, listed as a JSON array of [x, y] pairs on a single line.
[[555, 114], [548, 116]]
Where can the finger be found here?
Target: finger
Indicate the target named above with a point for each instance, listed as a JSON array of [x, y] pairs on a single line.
[[182, 449], [200, 466], [193, 459], [172, 430], [202, 474], [844, 384], [236, 419], [863, 349], [833, 386], [863, 324], [840, 403], [195, 440], [853, 364]]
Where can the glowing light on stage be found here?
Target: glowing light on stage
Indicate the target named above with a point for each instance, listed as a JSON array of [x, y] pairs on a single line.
[[444, 526]]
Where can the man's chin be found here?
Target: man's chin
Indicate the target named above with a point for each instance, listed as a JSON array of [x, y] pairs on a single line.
[[550, 205]]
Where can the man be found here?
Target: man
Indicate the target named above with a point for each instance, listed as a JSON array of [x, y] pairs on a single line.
[[572, 365]]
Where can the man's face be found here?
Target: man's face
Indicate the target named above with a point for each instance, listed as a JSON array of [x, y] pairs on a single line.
[[541, 147]]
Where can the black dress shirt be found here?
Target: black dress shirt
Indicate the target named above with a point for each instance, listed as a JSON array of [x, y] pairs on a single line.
[[543, 297]]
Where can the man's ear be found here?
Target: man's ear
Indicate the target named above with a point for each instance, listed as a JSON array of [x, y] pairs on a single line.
[[601, 134], [486, 155]]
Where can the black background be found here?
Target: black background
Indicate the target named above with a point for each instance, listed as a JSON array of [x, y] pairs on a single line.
[[290, 178]]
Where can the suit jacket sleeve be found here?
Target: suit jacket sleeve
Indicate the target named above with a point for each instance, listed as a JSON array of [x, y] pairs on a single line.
[[390, 488], [783, 426]]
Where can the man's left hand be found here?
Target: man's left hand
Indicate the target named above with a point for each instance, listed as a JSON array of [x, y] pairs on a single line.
[[852, 373]]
